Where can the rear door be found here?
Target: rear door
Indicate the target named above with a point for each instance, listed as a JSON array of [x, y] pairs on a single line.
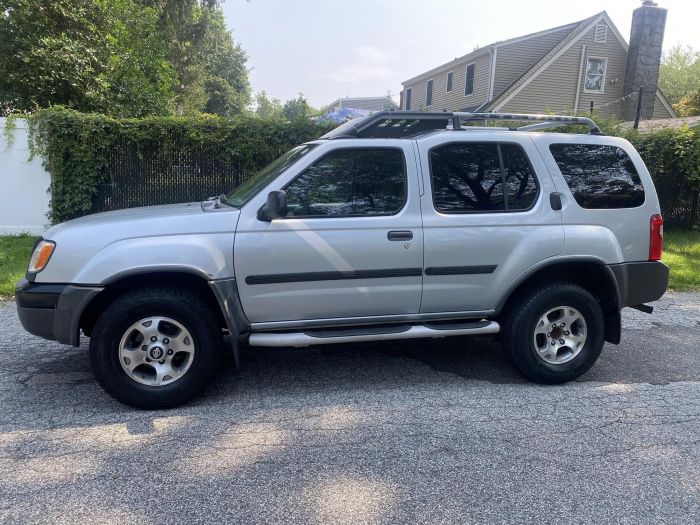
[[487, 218], [351, 245]]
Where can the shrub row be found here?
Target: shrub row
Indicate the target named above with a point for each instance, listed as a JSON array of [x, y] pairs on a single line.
[[99, 163]]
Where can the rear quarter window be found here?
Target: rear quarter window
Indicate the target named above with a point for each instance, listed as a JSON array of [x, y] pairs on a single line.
[[599, 176]]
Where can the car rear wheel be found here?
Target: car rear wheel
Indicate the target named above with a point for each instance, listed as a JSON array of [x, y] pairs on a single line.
[[156, 348], [555, 333]]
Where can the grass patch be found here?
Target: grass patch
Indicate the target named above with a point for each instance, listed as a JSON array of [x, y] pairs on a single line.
[[682, 254], [14, 256]]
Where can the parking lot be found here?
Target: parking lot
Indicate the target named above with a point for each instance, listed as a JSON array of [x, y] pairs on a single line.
[[423, 432]]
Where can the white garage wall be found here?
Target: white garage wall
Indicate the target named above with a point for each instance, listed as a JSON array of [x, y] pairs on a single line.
[[24, 185]]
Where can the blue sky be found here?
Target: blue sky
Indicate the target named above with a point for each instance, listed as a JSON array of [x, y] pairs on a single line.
[[333, 48]]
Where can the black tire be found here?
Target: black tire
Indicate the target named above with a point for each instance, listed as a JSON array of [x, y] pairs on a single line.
[[519, 330], [181, 305]]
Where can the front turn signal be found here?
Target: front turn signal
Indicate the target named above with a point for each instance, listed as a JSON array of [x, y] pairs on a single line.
[[40, 257]]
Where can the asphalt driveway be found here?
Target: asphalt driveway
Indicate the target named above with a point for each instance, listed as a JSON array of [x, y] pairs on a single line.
[[420, 432]]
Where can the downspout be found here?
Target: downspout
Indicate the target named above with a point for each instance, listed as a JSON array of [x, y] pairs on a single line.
[[494, 53], [580, 73]]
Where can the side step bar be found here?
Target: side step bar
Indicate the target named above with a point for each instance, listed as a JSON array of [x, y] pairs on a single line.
[[323, 337]]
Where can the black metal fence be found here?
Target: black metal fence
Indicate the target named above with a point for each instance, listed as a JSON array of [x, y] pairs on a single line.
[[135, 174], [680, 201], [134, 177]]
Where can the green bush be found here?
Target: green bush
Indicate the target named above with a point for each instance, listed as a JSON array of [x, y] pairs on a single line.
[[90, 155], [673, 159], [80, 150]]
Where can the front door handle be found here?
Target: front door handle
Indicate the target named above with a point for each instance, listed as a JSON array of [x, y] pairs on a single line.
[[400, 235]]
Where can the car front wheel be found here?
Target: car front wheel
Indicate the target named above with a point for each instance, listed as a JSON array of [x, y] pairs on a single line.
[[156, 348]]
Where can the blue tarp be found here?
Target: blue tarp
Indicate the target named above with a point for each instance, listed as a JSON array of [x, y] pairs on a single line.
[[345, 114]]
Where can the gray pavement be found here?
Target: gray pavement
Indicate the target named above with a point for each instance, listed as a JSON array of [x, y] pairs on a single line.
[[425, 432]]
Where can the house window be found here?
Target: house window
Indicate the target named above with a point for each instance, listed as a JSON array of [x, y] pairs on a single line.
[[595, 75], [601, 34], [449, 81], [429, 94], [408, 99], [469, 81]]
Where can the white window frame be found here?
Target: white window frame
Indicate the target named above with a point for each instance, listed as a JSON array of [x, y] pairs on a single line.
[[447, 82], [605, 72], [432, 92], [604, 39], [407, 99], [466, 68]]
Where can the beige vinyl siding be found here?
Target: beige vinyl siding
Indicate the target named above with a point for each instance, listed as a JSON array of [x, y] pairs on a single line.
[[513, 60], [660, 110], [455, 99], [554, 90]]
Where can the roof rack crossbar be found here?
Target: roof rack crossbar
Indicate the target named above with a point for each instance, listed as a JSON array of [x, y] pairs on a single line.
[[544, 121]]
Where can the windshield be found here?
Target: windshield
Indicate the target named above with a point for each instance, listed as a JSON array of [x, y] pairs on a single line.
[[265, 176]]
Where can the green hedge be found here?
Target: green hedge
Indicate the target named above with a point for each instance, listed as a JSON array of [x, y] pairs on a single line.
[[91, 158], [85, 153], [673, 159]]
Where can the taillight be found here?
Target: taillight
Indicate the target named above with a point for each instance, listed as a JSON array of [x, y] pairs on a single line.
[[656, 237]]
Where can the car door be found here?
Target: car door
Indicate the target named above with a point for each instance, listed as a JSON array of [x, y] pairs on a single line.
[[351, 244], [487, 218]]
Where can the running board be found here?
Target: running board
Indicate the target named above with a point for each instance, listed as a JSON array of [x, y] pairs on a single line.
[[329, 336]]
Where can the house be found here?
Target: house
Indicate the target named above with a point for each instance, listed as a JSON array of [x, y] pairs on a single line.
[[559, 70], [364, 103]]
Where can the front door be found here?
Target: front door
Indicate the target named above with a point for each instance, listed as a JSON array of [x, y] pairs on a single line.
[[351, 244]]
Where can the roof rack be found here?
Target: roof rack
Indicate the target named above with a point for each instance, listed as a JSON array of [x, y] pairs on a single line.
[[405, 124], [544, 121], [390, 124]]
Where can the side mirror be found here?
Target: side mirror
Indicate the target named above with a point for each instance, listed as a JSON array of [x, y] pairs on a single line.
[[275, 207]]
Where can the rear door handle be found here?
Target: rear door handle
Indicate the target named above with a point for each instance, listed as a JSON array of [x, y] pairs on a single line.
[[400, 235], [555, 200]]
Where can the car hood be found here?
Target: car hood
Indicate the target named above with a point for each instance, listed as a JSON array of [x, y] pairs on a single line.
[[168, 219], [193, 235]]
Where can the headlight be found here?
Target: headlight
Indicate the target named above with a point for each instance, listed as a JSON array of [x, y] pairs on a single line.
[[40, 257]]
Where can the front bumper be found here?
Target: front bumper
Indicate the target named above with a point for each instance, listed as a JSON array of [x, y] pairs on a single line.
[[53, 311]]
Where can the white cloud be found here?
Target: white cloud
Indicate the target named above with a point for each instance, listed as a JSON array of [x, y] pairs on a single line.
[[367, 63]]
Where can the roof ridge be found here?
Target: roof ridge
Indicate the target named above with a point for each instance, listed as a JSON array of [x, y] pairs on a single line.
[[498, 43]]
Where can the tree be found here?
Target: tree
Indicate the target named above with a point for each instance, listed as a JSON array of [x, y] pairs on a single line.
[[679, 76], [125, 58], [297, 108], [689, 105], [210, 67], [105, 55], [226, 76], [267, 107]]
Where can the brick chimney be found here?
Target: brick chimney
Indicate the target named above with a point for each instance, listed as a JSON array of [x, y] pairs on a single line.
[[643, 59]]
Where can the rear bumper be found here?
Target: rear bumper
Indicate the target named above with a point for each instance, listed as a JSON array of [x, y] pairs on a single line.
[[640, 282], [53, 311]]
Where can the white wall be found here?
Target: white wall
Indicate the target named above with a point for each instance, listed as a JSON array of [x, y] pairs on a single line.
[[24, 185]]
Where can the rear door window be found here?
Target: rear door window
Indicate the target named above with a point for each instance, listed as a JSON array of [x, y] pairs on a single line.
[[599, 176], [471, 177]]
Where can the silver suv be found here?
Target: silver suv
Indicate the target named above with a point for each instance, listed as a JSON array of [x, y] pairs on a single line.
[[397, 226]]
